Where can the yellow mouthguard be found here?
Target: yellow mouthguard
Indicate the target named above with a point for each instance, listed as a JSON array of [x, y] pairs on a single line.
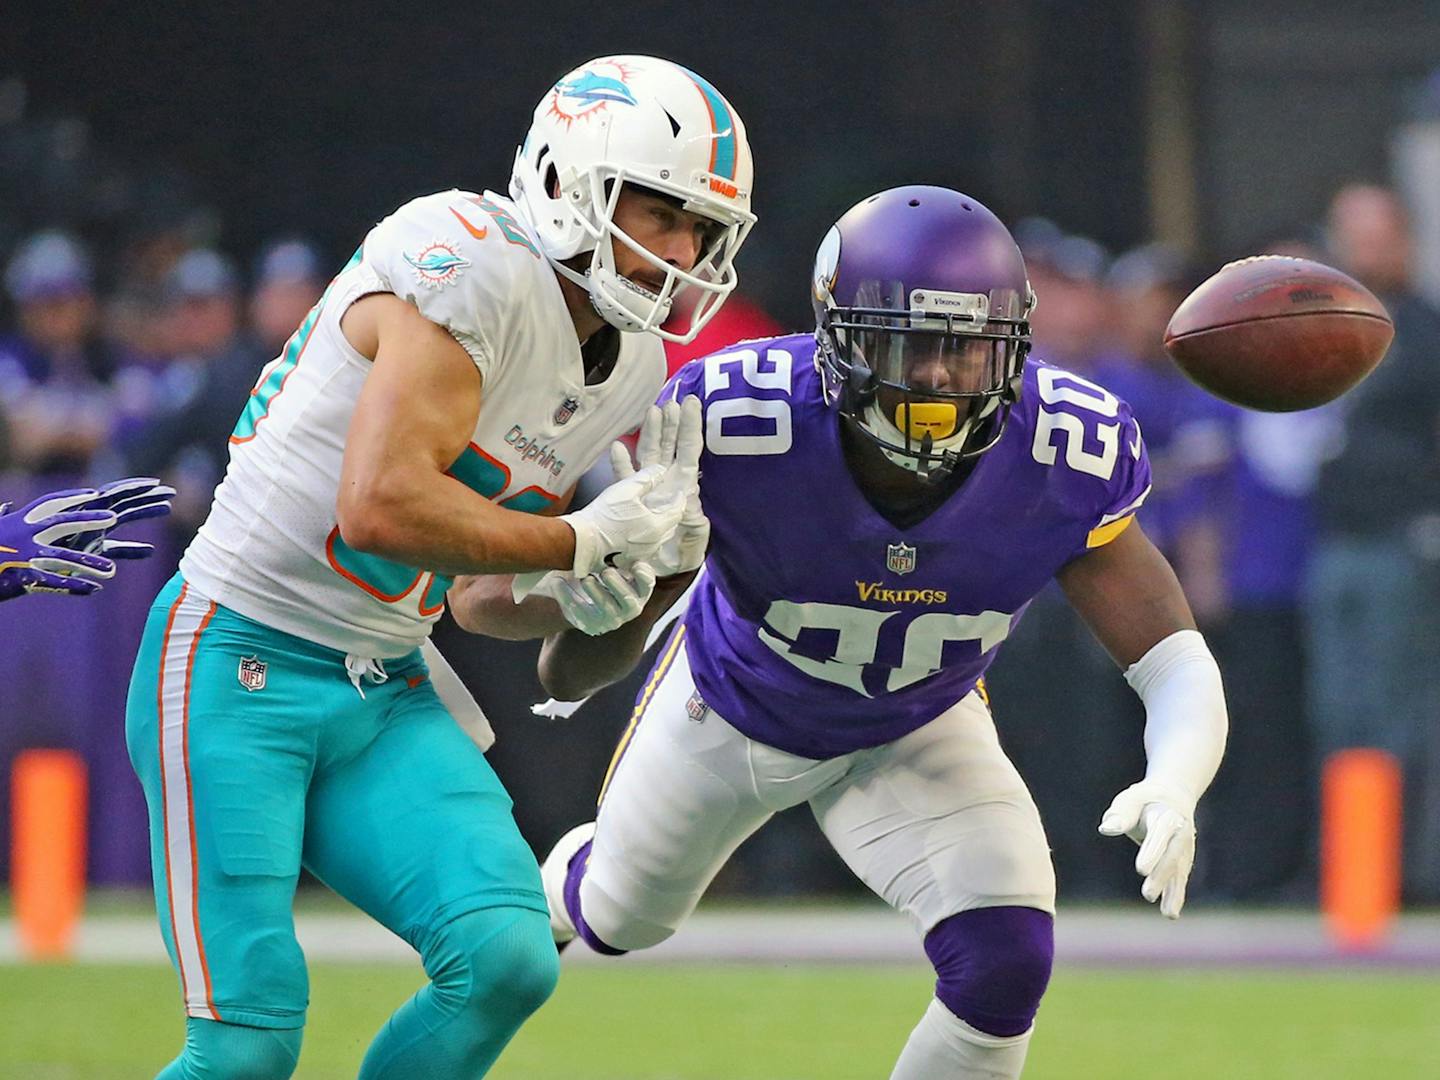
[[938, 419]]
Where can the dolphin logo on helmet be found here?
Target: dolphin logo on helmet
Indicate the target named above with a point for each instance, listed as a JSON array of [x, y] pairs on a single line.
[[592, 89]]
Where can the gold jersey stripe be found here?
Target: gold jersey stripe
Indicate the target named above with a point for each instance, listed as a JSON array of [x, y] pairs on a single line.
[[1103, 534]]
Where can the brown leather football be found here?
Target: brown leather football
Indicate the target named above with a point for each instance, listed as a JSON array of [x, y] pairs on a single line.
[[1278, 333]]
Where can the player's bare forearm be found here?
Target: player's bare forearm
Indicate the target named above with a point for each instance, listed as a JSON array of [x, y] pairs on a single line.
[[414, 418], [1127, 594], [485, 605], [574, 665], [1200, 566], [426, 519]]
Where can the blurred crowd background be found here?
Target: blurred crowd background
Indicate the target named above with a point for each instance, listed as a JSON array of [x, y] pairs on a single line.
[[175, 192]]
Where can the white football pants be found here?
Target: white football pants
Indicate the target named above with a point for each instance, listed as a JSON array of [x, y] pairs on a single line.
[[936, 823]]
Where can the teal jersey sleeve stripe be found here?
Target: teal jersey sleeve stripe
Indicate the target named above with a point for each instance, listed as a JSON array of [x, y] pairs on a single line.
[[723, 150]]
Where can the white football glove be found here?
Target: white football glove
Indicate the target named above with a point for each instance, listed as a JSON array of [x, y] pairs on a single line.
[[1160, 817], [600, 602], [627, 522], [673, 436]]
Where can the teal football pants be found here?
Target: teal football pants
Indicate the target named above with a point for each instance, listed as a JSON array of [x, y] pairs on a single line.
[[254, 769]]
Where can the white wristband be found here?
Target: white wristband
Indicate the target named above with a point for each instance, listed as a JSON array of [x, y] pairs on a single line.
[[1185, 718]]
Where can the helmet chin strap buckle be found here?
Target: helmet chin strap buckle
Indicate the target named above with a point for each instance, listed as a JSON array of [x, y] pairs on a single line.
[[923, 465], [930, 466], [934, 474]]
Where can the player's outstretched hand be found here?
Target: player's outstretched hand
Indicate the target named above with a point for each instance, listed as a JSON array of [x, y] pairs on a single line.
[[600, 602], [626, 523], [37, 545], [136, 498], [673, 436], [60, 542], [1161, 819]]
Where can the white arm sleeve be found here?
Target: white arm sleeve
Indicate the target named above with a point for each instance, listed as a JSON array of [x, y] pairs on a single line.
[[1185, 718]]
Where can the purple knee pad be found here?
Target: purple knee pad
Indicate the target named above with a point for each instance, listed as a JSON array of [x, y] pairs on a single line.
[[574, 874], [993, 965]]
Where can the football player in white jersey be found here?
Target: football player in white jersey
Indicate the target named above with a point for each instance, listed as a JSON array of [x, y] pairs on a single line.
[[427, 421]]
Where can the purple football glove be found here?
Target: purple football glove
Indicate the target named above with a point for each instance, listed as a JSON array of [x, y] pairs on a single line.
[[33, 552], [59, 542], [135, 498]]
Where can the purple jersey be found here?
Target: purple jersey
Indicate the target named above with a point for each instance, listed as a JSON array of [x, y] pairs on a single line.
[[821, 628]]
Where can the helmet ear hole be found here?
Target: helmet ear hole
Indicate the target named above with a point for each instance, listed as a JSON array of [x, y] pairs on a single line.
[[552, 178]]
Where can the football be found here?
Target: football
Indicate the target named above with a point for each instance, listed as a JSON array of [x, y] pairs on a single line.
[[1278, 333]]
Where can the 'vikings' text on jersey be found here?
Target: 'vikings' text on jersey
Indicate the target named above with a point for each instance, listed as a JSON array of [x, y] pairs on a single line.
[[818, 626]]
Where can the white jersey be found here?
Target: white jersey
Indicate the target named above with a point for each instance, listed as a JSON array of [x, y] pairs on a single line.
[[271, 548]]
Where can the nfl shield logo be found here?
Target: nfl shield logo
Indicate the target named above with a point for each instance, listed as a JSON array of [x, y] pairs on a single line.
[[899, 558], [252, 673], [566, 410], [696, 708]]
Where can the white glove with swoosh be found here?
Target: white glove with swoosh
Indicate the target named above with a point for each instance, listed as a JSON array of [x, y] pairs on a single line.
[[615, 589], [627, 522]]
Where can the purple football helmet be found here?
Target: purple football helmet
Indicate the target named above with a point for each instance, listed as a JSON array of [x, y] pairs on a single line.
[[922, 306]]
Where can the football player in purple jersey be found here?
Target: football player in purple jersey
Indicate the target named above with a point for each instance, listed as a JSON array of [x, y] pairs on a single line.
[[879, 502], [58, 542]]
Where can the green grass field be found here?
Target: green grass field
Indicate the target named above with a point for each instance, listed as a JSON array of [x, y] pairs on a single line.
[[732, 1022]]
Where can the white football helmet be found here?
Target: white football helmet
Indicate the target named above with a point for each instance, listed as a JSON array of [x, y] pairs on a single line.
[[645, 121]]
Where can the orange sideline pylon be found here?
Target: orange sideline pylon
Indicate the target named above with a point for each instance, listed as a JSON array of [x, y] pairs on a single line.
[[1360, 846], [47, 849]]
